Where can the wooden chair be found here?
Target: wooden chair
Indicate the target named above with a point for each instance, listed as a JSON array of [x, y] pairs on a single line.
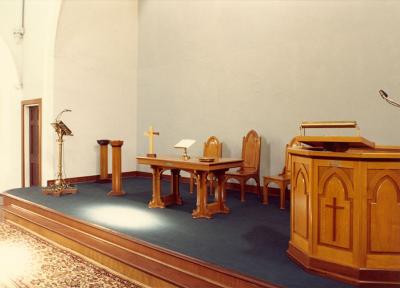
[[212, 148], [282, 180], [251, 148]]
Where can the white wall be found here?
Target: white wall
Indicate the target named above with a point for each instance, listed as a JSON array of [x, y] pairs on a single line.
[[224, 67], [95, 76], [41, 20], [9, 119], [76, 54], [205, 68], [10, 19], [34, 60]]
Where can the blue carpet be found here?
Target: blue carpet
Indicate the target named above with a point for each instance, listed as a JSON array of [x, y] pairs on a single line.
[[252, 239]]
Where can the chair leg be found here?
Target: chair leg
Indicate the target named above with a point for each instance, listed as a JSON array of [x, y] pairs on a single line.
[[258, 186], [265, 194], [191, 183], [242, 182], [283, 192]]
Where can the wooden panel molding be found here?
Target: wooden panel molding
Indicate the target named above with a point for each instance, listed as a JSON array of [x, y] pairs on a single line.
[[335, 208], [301, 200], [384, 212]]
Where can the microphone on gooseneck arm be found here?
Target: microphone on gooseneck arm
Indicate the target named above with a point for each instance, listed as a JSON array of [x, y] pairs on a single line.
[[383, 94], [59, 114]]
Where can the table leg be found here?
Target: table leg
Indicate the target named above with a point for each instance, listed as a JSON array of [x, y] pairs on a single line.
[[201, 210], [156, 201], [219, 195], [174, 197], [265, 193]]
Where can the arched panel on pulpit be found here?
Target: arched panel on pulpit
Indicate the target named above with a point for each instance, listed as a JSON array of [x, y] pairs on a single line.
[[301, 200], [384, 213], [335, 209]]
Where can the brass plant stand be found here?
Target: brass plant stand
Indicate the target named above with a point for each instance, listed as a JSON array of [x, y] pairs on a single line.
[[60, 186]]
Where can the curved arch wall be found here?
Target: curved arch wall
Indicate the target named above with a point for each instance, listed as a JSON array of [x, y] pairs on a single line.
[[33, 56], [9, 111]]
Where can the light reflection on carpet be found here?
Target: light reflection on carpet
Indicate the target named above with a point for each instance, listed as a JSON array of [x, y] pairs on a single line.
[[122, 217], [28, 261]]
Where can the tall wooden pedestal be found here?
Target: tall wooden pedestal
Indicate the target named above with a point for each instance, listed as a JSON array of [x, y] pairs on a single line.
[[116, 169], [103, 161], [345, 214]]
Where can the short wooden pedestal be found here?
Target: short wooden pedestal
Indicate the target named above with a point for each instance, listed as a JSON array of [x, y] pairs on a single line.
[[103, 161], [116, 169]]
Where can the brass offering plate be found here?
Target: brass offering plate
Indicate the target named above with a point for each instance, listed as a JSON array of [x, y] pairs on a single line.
[[206, 159]]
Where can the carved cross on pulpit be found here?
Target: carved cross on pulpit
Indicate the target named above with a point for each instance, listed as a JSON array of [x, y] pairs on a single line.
[[334, 208], [151, 134]]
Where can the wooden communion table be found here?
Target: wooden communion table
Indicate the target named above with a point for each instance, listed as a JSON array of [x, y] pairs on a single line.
[[201, 170]]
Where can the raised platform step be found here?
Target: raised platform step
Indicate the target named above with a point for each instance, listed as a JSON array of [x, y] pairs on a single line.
[[144, 262]]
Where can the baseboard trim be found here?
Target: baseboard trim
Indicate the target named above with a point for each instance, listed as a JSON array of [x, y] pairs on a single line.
[[92, 178], [230, 186]]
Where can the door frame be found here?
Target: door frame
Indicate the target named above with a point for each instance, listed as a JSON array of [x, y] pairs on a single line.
[[24, 105]]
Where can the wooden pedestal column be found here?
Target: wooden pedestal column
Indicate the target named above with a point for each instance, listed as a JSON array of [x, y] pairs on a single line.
[[116, 169], [103, 161]]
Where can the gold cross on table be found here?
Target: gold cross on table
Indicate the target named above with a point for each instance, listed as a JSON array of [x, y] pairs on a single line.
[[151, 134], [334, 211]]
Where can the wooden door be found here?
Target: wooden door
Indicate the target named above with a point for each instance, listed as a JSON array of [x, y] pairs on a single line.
[[34, 175]]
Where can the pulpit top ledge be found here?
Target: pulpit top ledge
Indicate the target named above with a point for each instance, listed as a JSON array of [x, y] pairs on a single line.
[[343, 147]]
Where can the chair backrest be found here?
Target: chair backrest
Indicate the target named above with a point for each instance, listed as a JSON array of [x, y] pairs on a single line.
[[286, 170], [212, 148], [251, 149]]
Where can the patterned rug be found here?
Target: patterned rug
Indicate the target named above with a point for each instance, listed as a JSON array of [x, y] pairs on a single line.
[[29, 261]]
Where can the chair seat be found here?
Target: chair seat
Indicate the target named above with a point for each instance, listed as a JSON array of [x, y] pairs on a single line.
[[241, 172], [277, 178], [251, 147], [283, 180]]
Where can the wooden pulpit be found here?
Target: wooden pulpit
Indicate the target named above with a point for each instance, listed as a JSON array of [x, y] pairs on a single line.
[[345, 209]]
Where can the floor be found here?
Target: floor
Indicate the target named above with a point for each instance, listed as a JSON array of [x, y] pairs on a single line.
[[30, 261], [252, 239]]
